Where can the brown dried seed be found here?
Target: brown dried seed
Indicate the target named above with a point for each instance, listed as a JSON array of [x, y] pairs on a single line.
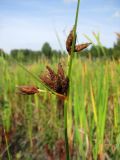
[[80, 47]]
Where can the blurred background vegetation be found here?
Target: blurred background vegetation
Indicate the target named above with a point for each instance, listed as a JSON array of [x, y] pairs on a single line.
[[96, 51]]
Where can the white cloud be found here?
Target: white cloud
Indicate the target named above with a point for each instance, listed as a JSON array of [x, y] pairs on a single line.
[[117, 14]]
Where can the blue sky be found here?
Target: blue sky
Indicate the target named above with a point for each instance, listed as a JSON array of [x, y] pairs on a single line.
[[30, 23]]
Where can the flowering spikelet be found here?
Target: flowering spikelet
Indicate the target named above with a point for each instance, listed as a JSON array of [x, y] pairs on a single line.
[[80, 47], [56, 81], [28, 90]]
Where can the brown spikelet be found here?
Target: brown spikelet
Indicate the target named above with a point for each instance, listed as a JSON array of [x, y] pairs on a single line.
[[51, 72], [47, 81], [80, 47], [62, 81], [70, 40], [60, 71], [28, 90]]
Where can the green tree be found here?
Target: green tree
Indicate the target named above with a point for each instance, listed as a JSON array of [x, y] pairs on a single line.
[[14, 53], [46, 50]]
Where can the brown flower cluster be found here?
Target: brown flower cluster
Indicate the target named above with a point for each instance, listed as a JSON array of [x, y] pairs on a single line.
[[78, 47], [58, 82]]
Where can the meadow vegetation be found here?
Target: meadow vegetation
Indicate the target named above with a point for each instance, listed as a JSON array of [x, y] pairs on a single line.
[[29, 123]]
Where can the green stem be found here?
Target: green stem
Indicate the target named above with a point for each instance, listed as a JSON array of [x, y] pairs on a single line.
[[69, 76], [65, 131], [74, 41]]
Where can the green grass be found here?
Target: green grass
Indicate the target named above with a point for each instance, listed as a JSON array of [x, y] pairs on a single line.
[[93, 112]]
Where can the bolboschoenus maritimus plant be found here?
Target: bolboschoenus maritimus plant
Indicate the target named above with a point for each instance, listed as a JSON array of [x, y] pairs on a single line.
[[59, 83]]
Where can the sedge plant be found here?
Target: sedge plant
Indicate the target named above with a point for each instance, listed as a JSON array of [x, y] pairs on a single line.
[[58, 83]]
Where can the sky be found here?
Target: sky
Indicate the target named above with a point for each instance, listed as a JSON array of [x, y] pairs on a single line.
[[30, 23]]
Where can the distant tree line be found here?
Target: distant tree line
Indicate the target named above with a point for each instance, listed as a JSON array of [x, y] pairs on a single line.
[[27, 55]]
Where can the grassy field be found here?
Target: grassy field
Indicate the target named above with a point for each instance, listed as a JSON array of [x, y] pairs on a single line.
[[31, 128]]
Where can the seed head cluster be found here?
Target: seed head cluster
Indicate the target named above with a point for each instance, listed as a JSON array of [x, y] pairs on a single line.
[[58, 82]]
